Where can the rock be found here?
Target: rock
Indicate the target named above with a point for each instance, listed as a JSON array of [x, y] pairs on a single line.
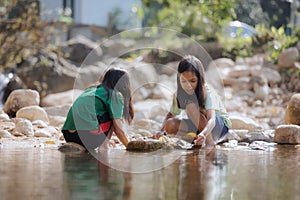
[[251, 61], [147, 124], [234, 135], [59, 99], [7, 126], [59, 110], [42, 133], [292, 113], [287, 134], [23, 126], [271, 75], [245, 123], [115, 48], [4, 117], [259, 145], [145, 146], [56, 121], [240, 71], [20, 98], [72, 147], [142, 75], [168, 69], [261, 88], [263, 135], [222, 63], [39, 124], [50, 73], [83, 50], [52, 130], [5, 134], [231, 143], [33, 113], [241, 84], [144, 132], [288, 57], [89, 75]]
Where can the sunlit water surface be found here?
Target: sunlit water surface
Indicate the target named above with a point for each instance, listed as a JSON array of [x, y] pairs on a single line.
[[46, 173]]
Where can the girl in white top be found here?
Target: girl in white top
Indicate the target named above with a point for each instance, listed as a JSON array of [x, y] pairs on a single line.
[[206, 114]]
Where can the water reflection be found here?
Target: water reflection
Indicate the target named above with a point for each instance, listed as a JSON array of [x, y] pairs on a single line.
[[31, 174], [137, 162], [88, 178], [197, 174], [186, 178]]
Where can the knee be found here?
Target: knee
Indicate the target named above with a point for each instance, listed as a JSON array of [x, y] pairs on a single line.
[[171, 126]]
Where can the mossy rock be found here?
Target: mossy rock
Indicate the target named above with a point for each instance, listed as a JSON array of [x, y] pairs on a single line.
[[145, 145], [72, 147]]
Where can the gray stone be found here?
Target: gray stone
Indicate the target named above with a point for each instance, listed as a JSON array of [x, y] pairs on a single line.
[[287, 134]]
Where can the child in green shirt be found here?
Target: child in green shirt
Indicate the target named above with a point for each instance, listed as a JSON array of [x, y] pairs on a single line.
[[98, 112]]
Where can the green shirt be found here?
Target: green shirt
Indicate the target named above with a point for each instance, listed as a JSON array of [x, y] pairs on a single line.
[[212, 102], [91, 103]]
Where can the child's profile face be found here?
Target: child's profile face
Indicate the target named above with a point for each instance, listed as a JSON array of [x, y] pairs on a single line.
[[188, 81]]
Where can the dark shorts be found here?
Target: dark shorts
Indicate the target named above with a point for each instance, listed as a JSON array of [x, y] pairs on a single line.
[[85, 138], [218, 132], [90, 139]]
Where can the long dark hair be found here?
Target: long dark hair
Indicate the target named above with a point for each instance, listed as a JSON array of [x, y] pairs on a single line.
[[192, 64], [118, 80]]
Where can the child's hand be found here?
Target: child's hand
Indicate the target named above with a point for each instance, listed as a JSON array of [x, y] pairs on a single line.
[[200, 140], [108, 144], [112, 143], [158, 134]]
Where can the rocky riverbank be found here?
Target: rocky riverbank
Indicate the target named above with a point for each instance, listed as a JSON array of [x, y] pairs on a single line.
[[256, 93]]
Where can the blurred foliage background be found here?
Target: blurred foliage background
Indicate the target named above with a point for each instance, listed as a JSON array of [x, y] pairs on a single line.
[[203, 21], [23, 34]]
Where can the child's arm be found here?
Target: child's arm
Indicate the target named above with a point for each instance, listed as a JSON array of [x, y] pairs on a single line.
[[205, 135], [117, 125], [211, 122], [162, 130]]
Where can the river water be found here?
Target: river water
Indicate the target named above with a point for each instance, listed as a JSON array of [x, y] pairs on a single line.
[[46, 173]]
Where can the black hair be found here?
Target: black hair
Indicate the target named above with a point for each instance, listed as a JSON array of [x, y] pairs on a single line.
[[118, 80], [192, 64]]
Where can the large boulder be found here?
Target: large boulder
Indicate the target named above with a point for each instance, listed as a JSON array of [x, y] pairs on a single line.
[[20, 98]]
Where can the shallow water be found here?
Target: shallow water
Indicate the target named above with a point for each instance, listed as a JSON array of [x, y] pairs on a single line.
[[46, 173]]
